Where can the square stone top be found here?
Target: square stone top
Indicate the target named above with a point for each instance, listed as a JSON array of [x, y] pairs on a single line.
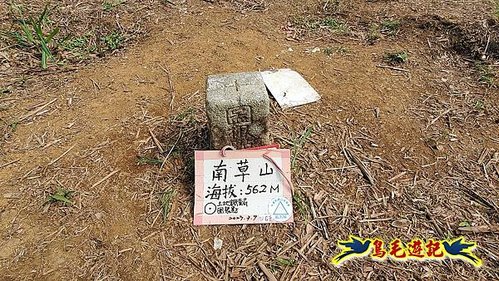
[[236, 87]]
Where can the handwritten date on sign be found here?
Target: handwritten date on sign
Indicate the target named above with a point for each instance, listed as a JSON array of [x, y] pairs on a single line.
[[242, 187]]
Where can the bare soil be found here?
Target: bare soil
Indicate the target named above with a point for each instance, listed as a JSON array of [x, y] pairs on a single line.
[[426, 130]]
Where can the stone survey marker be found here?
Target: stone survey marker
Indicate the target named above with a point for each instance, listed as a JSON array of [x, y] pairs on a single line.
[[237, 106]]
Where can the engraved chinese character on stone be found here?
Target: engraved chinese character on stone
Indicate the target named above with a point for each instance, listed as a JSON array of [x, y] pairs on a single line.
[[237, 106]]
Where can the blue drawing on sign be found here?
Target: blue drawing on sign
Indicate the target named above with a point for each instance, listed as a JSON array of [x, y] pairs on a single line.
[[280, 209]]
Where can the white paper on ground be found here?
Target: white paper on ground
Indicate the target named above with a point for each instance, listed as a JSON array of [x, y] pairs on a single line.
[[289, 88]]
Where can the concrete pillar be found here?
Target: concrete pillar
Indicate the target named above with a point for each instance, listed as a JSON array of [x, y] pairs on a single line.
[[238, 107]]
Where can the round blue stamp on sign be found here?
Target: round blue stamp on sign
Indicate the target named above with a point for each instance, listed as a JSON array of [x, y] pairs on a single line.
[[280, 209]]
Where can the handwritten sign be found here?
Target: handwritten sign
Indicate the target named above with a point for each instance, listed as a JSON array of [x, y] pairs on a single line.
[[244, 187]]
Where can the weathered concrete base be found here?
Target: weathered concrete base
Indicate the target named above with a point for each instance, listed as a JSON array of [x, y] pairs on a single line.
[[238, 107]]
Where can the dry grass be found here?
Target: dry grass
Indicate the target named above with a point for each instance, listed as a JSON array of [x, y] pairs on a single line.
[[249, 5], [87, 30]]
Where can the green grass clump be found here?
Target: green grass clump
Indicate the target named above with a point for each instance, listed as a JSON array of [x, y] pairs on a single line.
[[487, 78], [113, 41], [487, 75], [75, 43], [61, 195], [397, 57], [328, 51], [149, 160], [304, 23], [373, 33], [13, 126], [285, 262], [298, 144], [342, 50], [78, 46], [110, 5], [30, 33], [390, 27], [166, 202], [188, 114], [314, 24], [479, 105], [334, 25], [4, 91], [300, 205]]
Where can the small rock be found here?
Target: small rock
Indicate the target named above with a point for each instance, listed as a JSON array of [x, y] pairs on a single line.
[[313, 50], [322, 152], [217, 243], [11, 195], [402, 223]]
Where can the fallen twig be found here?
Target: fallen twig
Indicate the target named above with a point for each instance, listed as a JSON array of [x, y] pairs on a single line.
[[437, 227], [156, 142], [105, 178], [320, 223], [392, 67], [9, 163], [35, 111], [477, 197], [170, 152], [438, 117], [266, 271], [60, 156], [170, 85], [480, 229], [359, 164], [397, 176]]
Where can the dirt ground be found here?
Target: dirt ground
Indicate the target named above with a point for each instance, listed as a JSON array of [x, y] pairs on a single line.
[[426, 129]]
